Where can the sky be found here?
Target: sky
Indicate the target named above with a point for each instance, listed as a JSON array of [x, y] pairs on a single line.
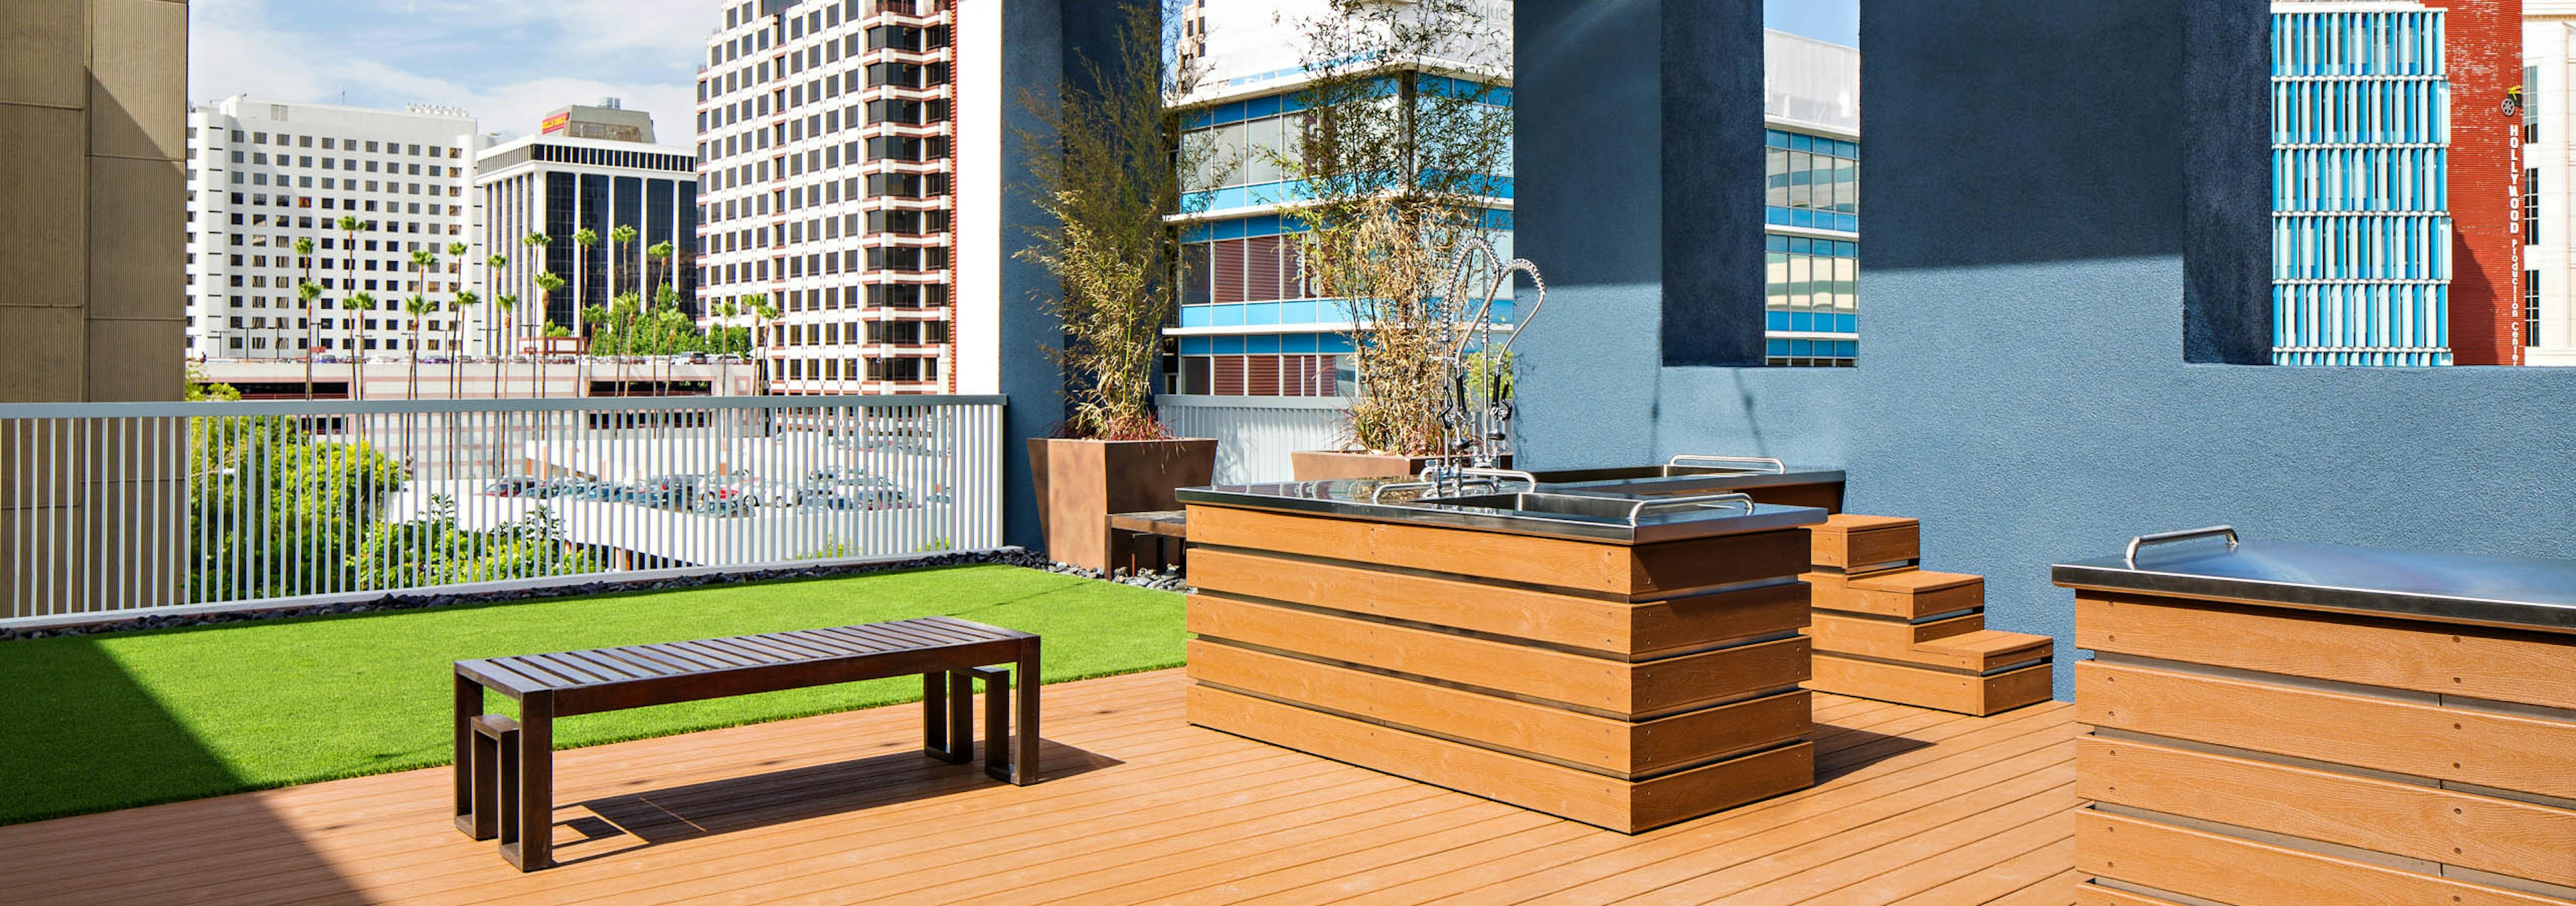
[[508, 62]]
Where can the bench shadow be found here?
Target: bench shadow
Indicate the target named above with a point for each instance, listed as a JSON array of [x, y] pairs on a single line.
[[655, 817], [1842, 750]]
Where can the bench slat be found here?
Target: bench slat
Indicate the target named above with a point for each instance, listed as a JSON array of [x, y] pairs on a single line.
[[709, 652], [854, 639], [547, 677], [626, 659], [601, 665], [572, 672]]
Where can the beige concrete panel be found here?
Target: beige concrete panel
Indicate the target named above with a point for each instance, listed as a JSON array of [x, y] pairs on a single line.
[[44, 361], [138, 78], [137, 361], [48, 220], [43, 53], [137, 239]]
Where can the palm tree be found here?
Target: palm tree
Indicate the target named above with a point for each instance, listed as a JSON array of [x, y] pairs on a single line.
[[422, 260], [657, 258], [356, 302], [621, 237], [588, 321], [504, 303], [415, 307], [456, 340], [761, 310], [456, 324], [349, 226], [308, 292], [582, 240], [548, 283]]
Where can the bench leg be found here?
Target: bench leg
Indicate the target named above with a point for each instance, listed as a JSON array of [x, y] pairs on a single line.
[[469, 705], [961, 717], [934, 716], [488, 817], [535, 786], [1024, 738], [997, 721]]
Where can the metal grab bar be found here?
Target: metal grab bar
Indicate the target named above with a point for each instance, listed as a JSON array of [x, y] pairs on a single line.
[[2163, 537], [1438, 472], [1638, 511], [1776, 467]]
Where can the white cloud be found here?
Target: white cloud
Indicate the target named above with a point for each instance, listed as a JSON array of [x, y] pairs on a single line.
[[505, 62]]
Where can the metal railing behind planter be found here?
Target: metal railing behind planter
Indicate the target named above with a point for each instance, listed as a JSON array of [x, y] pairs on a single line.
[[132, 508], [1255, 434]]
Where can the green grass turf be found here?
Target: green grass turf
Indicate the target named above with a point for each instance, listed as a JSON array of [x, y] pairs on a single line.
[[93, 723]]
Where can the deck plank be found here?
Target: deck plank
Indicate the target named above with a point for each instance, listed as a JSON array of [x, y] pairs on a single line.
[[1915, 806]]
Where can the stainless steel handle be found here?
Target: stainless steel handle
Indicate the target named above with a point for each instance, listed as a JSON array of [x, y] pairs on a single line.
[[2163, 537], [1635, 512], [1776, 467], [1379, 496]]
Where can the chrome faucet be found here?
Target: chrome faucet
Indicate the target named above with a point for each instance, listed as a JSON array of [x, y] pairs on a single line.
[[1474, 439]]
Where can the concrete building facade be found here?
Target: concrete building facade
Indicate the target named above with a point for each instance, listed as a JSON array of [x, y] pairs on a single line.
[[264, 174], [825, 132], [2549, 183], [93, 99]]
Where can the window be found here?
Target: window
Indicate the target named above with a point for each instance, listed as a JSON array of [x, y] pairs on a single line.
[[1258, 269], [2530, 104], [2531, 308], [2531, 207]]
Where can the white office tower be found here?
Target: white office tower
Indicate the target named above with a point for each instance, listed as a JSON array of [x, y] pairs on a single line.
[[593, 168], [824, 140], [263, 174]]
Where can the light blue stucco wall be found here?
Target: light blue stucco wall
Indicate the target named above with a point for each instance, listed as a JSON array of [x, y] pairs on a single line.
[[2029, 181]]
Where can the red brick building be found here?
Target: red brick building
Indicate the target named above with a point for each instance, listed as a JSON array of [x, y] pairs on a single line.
[[2484, 56]]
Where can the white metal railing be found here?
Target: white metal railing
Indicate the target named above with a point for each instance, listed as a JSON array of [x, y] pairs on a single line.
[[1255, 434], [143, 507]]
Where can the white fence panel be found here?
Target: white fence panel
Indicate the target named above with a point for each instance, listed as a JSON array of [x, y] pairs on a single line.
[[1256, 433]]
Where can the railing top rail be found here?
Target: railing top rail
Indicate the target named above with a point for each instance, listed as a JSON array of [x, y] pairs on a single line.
[[28, 411]]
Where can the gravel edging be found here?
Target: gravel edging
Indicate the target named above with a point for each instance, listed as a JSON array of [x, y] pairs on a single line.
[[1161, 581]]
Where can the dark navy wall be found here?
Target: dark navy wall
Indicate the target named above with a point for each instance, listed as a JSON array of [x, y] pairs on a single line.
[[2023, 385]]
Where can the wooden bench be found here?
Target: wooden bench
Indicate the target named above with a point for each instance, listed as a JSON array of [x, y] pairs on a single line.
[[508, 791], [1155, 539]]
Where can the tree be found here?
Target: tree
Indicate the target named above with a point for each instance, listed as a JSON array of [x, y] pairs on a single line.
[[350, 306], [1401, 148], [622, 237], [457, 301], [758, 305], [548, 283], [413, 309], [435, 550], [503, 304], [497, 327], [589, 319], [657, 258], [307, 291], [465, 300], [349, 284], [537, 244], [273, 511], [582, 240], [1103, 169]]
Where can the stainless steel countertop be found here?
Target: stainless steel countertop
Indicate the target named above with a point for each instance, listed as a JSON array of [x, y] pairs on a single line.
[[1350, 499], [2518, 592]]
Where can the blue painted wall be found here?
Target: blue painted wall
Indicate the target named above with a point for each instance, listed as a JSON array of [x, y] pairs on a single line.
[[2036, 227]]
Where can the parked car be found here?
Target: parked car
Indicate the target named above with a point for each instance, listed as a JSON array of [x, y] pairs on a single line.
[[517, 486]]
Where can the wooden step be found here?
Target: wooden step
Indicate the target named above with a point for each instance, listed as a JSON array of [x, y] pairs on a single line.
[[1910, 594], [1884, 637], [1984, 650], [1930, 687], [1853, 543]]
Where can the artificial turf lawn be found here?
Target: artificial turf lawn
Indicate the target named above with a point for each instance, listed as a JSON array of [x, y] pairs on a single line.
[[117, 720]]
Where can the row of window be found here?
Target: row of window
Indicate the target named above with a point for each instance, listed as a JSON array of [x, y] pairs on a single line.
[[338, 163], [345, 144], [602, 157], [347, 204], [899, 369], [905, 259], [432, 344], [347, 185], [898, 333], [1261, 375]]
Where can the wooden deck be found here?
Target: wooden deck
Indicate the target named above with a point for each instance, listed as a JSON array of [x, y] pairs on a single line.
[[1913, 806]]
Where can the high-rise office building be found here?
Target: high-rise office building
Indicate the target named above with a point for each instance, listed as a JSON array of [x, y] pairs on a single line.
[[824, 141], [263, 174], [567, 178], [2396, 235]]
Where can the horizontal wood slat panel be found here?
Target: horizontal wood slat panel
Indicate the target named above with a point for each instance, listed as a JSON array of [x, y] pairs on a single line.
[[2496, 750], [1614, 686], [1983, 650], [2481, 832], [1928, 687], [2231, 870], [1602, 743], [1580, 795], [1883, 637], [1846, 540], [1646, 570], [2424, 657], [1557, 619], [1914, 594]]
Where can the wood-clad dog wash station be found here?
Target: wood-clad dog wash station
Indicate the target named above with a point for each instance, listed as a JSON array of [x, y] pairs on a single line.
[[1625, 655], [2294, 723]]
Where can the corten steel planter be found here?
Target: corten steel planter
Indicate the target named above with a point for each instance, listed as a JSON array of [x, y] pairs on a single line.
[[1080, 482], [1327, 465]]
